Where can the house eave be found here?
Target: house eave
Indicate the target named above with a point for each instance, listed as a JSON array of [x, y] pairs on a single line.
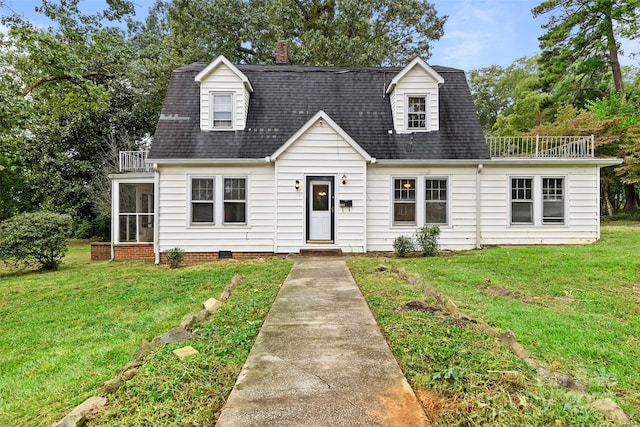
[[598, 161], [131, 176], [183, 161]]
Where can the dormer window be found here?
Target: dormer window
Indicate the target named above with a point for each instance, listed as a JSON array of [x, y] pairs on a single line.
[[221, 110], [416, 112]]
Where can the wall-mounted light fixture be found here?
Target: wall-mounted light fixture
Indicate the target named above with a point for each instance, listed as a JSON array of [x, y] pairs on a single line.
[[344, 179], [297, 184]]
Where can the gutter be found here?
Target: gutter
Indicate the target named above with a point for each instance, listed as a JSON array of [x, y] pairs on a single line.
[[599, 161], [156, 217], [479, 207]]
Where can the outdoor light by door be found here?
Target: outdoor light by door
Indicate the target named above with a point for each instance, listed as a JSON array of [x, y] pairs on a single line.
[[297, 184], [407, 185], [344, 179]]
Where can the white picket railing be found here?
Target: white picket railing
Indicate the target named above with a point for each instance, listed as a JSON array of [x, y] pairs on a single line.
[[134, 161], [541, 146]]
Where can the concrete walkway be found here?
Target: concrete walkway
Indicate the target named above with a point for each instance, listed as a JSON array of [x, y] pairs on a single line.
[[321, 360]]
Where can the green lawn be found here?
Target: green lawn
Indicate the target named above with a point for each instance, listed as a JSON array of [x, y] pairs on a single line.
[[64, 333], [575, 308]]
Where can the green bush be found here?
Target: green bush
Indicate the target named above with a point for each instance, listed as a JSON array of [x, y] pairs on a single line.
[[403, 245], [97, 228], [427, 240], [175, 257], [37, 238]]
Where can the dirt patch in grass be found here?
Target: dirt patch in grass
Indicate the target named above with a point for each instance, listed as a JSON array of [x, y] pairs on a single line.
[[420, 306], [500, 291]]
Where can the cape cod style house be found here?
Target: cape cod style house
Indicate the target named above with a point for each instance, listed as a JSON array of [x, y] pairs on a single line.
[[252, 159]]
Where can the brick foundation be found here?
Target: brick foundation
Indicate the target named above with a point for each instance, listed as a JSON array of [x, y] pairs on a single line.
[[133, 251], [100, 251], [200, 257]]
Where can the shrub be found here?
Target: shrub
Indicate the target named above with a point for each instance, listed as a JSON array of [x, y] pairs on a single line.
[[37, 238], [175, 257], [98, 228], [427, 240], [403, 245]]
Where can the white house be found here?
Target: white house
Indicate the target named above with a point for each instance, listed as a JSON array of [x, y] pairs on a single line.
[[251, 159]]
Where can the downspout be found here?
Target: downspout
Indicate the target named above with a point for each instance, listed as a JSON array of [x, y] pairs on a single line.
[[115, 197], [478, 207], [156, 217]]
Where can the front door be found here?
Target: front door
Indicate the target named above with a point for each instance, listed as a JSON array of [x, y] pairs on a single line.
[[320, 210]]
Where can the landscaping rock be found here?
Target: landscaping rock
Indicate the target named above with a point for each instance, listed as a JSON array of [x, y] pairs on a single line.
[[452, 308], [611, 411], [382, 267], [211, 305], [236, 279], [187, 322], [112, 385], [185, 352], [174, 335], [146, 348], [78, 416], [202, 315], [226, 293], [508, 338], [75, 420]]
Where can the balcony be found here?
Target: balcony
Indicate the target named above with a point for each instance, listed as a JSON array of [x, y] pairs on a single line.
[[134, 161], [536, 146]]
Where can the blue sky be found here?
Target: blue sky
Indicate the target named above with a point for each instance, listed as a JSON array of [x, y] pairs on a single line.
[[478, 33]]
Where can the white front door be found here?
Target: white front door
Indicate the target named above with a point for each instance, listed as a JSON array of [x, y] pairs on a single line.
[[320, 211]]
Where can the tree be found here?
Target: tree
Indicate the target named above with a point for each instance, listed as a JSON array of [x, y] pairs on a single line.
[[497, 92], [580, 48]]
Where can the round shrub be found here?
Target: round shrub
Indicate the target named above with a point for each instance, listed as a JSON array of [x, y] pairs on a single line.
[[37, 238], [403, 245]]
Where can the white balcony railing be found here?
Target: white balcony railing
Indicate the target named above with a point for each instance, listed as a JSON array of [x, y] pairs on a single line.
[[134, 161], [560, 147]]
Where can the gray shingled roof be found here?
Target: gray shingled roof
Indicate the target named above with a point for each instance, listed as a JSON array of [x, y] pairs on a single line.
[[285, 97]]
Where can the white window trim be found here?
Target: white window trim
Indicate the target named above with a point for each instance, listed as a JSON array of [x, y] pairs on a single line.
[[246, 201], [190, 222], [427, 121], [218, 202], [233, 110], [564, 202], [448, 200], [538, 202], [418, 210]]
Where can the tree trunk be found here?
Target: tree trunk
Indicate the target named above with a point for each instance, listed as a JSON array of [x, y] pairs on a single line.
[[612, 47], [631, 202]]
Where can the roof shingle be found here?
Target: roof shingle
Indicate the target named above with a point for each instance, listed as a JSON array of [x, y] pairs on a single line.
[[286, 97]]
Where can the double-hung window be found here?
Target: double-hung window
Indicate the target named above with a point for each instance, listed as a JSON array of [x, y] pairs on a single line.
[[416, 112], [202, 200], [552, 200], [404, 201], [235, 202], [522, 200], [436, 201], [221, 105]]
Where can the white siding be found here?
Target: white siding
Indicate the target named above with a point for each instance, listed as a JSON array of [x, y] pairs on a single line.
[[173, 210], [581, 206], [222, 79], [320, 152], [415, 82], [459, 233]]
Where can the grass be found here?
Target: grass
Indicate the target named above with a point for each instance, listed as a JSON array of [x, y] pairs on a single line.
[[574, 308], [66, 332]]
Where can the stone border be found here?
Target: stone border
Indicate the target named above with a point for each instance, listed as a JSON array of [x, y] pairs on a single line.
[[78, 416], [608, 407]]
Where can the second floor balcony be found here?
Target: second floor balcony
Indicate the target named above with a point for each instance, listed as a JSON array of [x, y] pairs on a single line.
[[135, 161], [537, 146]]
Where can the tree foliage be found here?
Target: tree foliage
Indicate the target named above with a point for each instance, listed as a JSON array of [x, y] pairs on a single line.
[[580, 47]]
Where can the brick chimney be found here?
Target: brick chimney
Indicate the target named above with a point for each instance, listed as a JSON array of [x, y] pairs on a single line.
[[282, 55]]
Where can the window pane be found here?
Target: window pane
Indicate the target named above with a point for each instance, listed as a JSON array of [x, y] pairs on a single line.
[[127, 198], [234, 189], [202, 189], [222, 110], [416, 115], [128, 229], [321, 197], [202, 212], [436, 213], [522, 212], [404, 189], [234, 212], [404, 212]]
